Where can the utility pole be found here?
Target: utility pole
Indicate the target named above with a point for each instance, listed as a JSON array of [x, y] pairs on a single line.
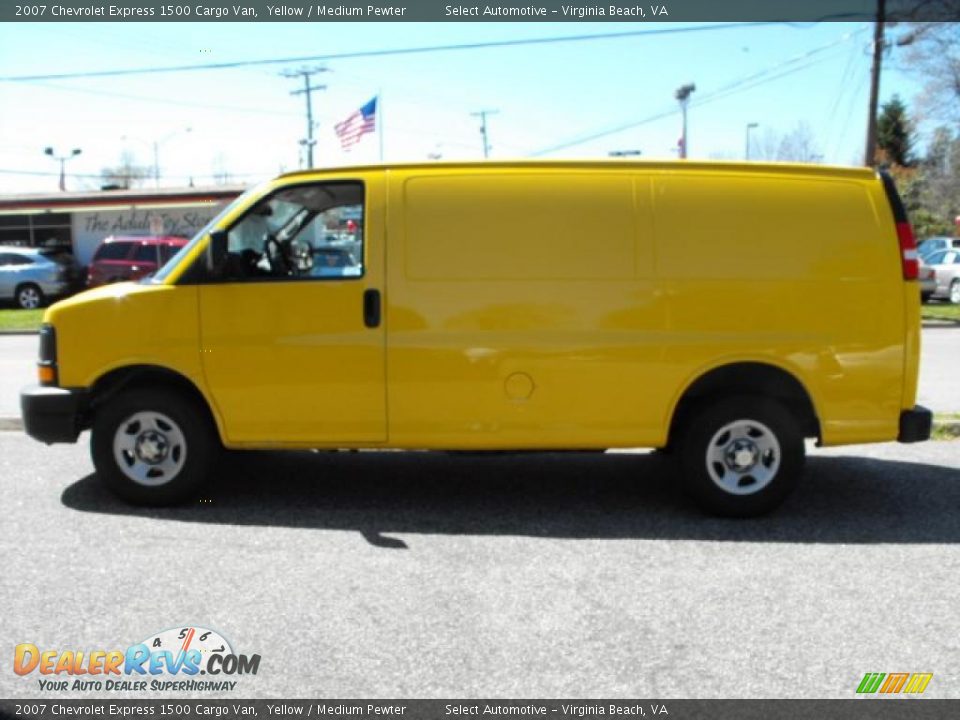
[[306, 73], [683, 97], [870, 153], [482, 114]]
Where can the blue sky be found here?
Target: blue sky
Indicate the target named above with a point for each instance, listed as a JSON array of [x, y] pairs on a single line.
[[245, 121]]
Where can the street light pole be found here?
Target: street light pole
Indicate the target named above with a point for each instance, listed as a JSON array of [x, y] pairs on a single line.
[[683, 97], [156, 152], [62, 159], [746, 144], [155, 145]]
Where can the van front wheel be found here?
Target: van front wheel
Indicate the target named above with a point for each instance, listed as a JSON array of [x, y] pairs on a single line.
[[152, 448], [741, 456]]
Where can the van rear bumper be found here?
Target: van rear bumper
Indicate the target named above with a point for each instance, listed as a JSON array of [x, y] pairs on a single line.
[[52, 414], [915, 425]]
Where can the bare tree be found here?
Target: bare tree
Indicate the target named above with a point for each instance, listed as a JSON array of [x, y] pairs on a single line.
[[934, 55], [127, 174], [798, 145], [765, 145]]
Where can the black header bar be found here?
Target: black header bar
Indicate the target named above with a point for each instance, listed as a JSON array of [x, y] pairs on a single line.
[[534, 11]]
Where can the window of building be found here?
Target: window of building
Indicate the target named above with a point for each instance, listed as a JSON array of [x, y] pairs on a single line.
[[52, 230]]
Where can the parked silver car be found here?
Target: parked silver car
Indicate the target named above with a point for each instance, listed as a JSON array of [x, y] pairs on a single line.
[[29, 276], [946, 267]]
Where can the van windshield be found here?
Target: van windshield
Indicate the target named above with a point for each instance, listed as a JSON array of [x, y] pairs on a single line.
[[163, 272]]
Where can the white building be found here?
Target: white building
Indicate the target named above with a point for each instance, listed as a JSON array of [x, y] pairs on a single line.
[[79, 221]]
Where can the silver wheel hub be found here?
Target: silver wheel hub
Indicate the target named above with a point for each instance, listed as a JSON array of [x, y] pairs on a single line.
[[149, 448], [29, 298], [743, 457]]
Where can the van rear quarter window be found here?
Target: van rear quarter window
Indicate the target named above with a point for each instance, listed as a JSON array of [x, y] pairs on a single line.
[[495, 226], [783, 258], [724, 227]]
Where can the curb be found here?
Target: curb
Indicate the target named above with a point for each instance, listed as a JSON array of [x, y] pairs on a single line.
[[19, 332]]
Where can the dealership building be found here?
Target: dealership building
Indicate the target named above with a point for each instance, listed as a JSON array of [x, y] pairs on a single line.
[[79, 221]]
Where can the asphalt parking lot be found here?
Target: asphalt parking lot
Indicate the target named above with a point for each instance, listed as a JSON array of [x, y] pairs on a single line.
[[504, 575], [538, 575]]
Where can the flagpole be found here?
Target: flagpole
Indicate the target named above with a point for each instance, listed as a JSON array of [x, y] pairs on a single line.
[[380, 123]]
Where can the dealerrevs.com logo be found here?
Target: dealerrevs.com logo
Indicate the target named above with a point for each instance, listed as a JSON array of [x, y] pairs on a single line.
[[170, 660]]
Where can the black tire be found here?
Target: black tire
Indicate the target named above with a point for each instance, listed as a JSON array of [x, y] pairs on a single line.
[[28, 296], [954, 296], [761, 434], [925, 297], [172, 446]]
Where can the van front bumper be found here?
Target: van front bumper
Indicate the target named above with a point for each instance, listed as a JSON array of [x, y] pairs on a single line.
[[915, 425], [52, 414]]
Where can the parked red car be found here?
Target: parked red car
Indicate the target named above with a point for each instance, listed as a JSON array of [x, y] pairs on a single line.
[[129, 258]]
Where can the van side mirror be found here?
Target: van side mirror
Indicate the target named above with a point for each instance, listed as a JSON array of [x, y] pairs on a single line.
[[216, 251]]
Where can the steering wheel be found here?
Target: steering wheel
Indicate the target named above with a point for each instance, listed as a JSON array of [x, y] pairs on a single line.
[[273, 251]]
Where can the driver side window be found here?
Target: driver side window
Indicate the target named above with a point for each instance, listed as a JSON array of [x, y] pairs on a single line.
[[310, 231]]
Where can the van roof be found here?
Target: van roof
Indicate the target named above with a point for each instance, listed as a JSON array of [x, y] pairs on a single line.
[[774, 168]]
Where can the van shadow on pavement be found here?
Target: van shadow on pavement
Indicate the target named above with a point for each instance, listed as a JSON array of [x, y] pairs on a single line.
[[552, 495]]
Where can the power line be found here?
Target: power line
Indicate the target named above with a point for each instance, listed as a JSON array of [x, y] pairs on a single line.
[[377, 53], [164, 100], [745, 83]]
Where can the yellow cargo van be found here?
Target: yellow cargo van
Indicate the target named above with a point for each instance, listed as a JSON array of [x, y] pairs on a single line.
[[722, 312]]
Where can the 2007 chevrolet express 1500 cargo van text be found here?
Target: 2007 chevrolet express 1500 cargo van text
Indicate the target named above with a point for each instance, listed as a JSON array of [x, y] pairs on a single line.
[[723, 312]]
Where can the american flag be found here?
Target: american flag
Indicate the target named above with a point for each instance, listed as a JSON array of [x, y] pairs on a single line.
[[354, 127]]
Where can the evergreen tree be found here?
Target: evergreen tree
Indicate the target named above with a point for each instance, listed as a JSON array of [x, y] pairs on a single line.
[[894, 140]]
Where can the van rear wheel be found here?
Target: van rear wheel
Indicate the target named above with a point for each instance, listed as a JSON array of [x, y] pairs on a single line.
[[152, 447], [741, 456]]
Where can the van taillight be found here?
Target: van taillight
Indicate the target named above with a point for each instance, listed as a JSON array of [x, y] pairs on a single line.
[[908, 251]]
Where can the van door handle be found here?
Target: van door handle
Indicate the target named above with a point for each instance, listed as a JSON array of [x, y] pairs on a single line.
[[371, 308]]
